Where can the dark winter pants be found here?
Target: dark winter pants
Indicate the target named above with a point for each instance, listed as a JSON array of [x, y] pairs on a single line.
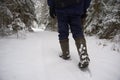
[[66, 21]]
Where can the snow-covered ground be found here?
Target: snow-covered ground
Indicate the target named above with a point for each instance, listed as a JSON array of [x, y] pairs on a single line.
[[36, 58]]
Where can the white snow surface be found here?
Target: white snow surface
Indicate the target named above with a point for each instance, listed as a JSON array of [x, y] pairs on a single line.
[[37, 58]]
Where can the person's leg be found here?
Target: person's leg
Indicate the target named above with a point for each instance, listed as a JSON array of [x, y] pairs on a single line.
[[76, 29], [63, 27], [75, 26], [63, 30]]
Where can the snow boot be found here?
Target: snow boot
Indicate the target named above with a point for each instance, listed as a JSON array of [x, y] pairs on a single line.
[[65, 49], [82, 51]]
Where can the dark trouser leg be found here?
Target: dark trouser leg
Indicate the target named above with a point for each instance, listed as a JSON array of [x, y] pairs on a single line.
[[63, 26], [75, 26], [63, 30], [76, 29]]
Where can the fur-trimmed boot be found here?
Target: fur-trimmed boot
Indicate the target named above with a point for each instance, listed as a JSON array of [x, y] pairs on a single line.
[[82, 51], [65, 49]]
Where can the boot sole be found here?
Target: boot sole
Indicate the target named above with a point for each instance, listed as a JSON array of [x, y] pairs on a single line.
[[65, 58], [84, 67]]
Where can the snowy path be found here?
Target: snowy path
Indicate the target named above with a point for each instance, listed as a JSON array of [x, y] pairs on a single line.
[[36, 58]]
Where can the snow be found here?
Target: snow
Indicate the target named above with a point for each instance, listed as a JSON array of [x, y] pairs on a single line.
[[36, 58], [42, 27]]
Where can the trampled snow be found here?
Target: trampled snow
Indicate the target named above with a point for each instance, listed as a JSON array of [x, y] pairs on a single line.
[[37, 58]]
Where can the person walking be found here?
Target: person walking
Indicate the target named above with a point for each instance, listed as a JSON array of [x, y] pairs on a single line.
[[71, 14]]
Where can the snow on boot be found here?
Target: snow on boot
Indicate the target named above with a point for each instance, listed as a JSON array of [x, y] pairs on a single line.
[[82, 51], [65, 49]]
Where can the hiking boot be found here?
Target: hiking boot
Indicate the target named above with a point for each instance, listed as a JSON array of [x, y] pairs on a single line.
[[82, 51], [65, 49]]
